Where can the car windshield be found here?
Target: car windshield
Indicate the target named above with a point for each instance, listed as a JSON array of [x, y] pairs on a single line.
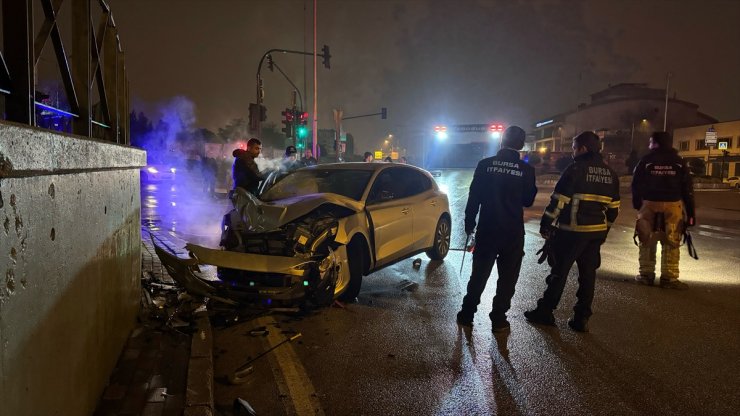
[[346, 182]]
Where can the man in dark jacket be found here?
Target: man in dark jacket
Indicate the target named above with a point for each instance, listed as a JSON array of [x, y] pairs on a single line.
[[661, 190], [245, 172], [502, 185], [582, 208]]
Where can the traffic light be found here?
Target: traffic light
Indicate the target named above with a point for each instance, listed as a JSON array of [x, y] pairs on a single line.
[[383, 113], [326, 56], [263, 113], [301, 130], [287, 122], [254, 117]]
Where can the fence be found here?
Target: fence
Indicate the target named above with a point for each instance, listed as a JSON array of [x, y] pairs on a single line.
[[96, 60]]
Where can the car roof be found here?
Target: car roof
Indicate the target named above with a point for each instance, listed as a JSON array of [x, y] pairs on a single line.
[[369, 166]]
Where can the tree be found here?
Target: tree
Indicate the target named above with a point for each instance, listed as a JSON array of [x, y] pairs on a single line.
[[141, 128]]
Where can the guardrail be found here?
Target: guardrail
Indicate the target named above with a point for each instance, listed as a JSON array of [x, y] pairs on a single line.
[[97, 58]]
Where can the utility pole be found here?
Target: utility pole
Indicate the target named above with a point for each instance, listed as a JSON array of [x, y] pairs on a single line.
[[314, 121], [665, 114]]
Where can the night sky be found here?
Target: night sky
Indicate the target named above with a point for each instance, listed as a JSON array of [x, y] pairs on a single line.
[[429, 62]]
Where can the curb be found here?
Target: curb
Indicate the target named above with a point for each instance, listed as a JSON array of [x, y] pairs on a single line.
[[199, 393], [199, 387]]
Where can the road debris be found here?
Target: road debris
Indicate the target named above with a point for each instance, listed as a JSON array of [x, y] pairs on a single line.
[[243, 408], [417, 263], [408, 285], [239, 375]]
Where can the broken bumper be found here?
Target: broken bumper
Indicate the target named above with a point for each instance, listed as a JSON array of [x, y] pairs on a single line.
[[245, 277]]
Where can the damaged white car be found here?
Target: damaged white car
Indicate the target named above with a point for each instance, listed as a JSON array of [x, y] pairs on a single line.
[[315, 233]]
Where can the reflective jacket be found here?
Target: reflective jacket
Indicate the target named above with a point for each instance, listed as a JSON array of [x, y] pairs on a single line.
[[663, 176], [585, 199], [502, 186]]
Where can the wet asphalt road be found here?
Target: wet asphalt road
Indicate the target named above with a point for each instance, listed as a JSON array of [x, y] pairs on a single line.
[[396, 351]]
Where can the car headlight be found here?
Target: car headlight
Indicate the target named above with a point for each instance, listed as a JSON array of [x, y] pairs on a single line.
[[152, 169]]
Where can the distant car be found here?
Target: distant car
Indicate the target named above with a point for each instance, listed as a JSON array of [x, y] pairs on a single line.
[[158, 173], [733, 181], [317, 231]]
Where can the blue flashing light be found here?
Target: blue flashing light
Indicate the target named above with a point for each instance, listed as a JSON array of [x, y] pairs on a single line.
[[55, 110]]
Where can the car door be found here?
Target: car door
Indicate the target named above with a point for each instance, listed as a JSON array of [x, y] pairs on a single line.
[[425, 206], [391, 216]]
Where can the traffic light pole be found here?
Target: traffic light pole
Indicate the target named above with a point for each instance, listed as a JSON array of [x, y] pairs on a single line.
[[260, 91]]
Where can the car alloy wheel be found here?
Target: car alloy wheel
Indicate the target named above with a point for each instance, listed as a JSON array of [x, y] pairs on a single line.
[[441, 245]]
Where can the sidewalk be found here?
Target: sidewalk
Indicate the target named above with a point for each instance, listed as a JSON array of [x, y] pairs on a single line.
[[163, 369]]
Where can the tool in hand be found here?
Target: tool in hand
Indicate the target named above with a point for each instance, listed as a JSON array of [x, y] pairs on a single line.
[[467, 240]]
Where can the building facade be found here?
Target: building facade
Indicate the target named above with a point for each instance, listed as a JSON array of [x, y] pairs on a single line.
[[721, 160], [624, 116]]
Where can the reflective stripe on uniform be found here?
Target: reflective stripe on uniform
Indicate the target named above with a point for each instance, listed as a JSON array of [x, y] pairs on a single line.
[[560, 197], [582, 228], [594, 198]]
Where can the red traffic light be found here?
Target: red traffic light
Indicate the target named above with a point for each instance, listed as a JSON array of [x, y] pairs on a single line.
[[496, 128], [440, 128]]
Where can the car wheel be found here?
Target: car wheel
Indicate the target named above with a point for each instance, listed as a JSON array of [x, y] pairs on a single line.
[[441, 245], [356, 262]]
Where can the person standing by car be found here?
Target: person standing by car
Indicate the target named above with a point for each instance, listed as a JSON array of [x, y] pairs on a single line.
[[582, 209], [290, 162], [245, 172], [662, 190], [502, 186], [367, 157], [308, 159]]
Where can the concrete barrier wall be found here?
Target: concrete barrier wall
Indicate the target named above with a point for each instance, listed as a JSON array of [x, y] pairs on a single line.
[[69, 267]]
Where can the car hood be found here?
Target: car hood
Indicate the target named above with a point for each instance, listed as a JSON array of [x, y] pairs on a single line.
[[265, 216]]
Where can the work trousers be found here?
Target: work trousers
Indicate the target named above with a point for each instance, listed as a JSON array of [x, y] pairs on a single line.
[[508, 256], [569, 248], [660, 222]]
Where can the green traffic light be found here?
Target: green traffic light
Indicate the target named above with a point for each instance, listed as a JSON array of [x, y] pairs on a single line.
[[302, 131]]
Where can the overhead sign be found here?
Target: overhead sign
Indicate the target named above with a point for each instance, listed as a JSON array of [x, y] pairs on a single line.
[[470, 128], [722, 146], [710, 138]]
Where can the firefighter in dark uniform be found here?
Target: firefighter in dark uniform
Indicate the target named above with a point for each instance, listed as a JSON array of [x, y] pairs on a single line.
[[582, 209], [661, 190], [502, 185]]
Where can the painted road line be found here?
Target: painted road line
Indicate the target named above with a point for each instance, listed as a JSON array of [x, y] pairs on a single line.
[[292, 379], [722, 229]]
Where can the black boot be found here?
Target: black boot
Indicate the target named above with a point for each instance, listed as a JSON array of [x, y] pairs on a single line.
[[540, 316], [578, 324], [499, 322], [465, 319]]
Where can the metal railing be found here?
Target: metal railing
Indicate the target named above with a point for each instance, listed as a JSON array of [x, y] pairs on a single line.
[[97, 58]]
